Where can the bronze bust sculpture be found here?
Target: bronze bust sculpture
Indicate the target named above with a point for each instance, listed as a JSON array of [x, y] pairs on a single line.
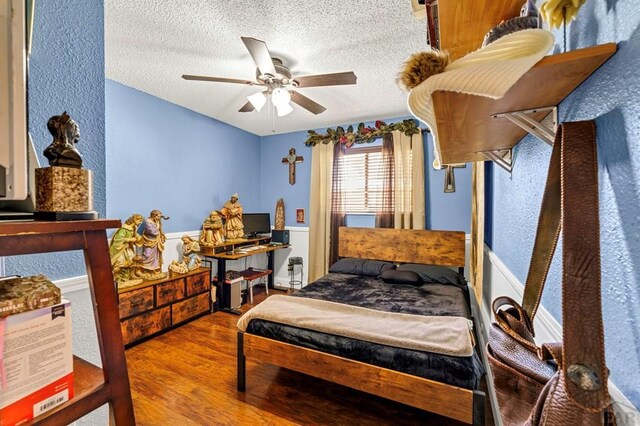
[[62, 151]]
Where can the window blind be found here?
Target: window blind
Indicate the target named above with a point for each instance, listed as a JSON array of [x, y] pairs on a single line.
[[362, 179]]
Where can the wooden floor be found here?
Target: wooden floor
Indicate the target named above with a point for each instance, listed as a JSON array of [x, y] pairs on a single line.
[[188, 377]]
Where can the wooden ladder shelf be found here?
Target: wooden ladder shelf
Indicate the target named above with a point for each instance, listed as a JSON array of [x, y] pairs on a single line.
[[94, 386]]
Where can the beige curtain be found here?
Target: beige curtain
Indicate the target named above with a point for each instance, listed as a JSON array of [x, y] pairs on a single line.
[[320, 210], [409, 181]]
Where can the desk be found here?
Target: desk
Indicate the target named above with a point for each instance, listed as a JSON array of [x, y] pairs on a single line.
[[220, 255]]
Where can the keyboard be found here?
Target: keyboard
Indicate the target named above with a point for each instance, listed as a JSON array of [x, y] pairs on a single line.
[[252, 248]]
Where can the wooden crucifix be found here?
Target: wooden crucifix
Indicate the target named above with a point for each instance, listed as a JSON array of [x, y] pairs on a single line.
[[292, 159]]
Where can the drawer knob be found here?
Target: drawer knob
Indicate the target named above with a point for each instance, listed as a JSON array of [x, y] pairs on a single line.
[[136, 302]]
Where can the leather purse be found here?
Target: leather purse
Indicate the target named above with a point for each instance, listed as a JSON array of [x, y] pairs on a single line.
[[558, 383]]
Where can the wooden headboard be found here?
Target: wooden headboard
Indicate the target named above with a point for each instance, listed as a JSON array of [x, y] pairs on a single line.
[[446, 248]]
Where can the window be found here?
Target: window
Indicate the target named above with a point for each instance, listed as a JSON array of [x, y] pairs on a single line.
[[362, 180]]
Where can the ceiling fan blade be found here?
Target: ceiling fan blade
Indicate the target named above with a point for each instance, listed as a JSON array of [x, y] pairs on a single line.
[[217, 79], [335, 79], [248, 107], [260, 54], [307, 103]]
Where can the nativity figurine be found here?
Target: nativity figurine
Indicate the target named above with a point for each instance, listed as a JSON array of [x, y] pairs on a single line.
[[190, 259], [232, 211], [190, 250], [153, 240], [212, 230], [123, 252], [62, 151]]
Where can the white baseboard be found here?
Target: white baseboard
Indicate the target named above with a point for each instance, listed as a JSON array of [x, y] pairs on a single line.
[[68, 285], [500, 281]]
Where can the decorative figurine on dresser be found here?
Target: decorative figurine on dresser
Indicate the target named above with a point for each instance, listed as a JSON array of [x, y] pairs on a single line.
[[123, 251], [232, 211], [153, 240], [190, 259], [64, 189], [279, 222], [212, 230]]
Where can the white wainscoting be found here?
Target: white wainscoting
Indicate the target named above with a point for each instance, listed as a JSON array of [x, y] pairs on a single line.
[[299, 247], [299, 240], [500, 281]]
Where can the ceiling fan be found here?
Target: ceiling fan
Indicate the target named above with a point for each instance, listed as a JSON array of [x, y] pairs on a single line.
[[278, 82]]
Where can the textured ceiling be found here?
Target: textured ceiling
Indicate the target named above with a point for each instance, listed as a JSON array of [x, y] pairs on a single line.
[[149, 44]]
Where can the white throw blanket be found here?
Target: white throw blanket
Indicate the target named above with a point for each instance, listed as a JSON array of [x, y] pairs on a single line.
[[490, 72], [442, 335]]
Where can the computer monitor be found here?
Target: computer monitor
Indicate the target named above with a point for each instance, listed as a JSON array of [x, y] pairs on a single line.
[[256, 223]]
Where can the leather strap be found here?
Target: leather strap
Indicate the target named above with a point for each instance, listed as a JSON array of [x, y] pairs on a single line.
[[584, 367], [546, 241], [513, 321]]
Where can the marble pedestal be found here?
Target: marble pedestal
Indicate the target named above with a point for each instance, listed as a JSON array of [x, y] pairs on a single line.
[[64, 193]]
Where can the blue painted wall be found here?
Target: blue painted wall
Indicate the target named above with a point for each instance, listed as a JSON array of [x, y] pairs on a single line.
[[66, 73], [612, 97], [274, 176], [163, 156], [444, 211]]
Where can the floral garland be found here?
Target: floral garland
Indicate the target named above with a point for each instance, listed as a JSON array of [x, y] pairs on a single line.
[[364, 134]]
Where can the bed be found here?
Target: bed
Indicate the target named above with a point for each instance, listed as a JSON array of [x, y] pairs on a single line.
[[437, 383]]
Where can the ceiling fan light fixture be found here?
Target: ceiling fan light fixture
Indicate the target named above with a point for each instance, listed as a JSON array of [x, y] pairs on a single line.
[[283, 110], [280, 97], [257, 100]]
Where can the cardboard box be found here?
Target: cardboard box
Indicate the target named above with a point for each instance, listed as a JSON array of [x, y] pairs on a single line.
[[36, 362]]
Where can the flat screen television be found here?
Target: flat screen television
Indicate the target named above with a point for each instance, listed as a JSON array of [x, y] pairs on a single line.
[[256, 223]]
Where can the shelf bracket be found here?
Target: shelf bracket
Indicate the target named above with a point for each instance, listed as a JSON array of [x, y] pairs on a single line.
[[502, 157], [544, 130]]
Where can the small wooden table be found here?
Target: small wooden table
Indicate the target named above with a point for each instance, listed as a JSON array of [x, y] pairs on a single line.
[[251, 274]]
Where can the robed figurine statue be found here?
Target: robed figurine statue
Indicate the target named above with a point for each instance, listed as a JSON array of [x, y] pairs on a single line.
[[153, 240], [232, 211], [123, 251], [212, 230]]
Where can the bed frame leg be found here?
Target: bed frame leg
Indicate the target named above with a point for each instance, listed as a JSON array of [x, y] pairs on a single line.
[[478, 408], [241, 368]]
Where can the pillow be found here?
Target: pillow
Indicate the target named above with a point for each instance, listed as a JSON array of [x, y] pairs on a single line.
[[393, 276], [435, 274], [370, 268]]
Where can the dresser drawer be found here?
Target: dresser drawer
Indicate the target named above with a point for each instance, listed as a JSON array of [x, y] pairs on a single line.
[[189, 308], [198, 283], [144, 325], [135, 301], [169, 292]]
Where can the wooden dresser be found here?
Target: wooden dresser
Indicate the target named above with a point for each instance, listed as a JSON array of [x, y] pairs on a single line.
[[157, 306]]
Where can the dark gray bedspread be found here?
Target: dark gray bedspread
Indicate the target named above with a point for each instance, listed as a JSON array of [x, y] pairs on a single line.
[[373, 293]]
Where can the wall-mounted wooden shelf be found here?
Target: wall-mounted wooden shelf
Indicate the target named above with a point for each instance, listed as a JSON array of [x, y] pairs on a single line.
[[466, 127], [464, 23]]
